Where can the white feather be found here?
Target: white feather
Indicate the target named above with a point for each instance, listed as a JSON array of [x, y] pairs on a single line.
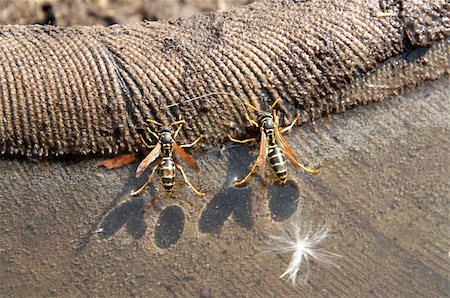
[[297, 236]]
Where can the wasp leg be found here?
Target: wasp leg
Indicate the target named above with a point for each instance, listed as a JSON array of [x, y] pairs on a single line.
[[149, 205], [241, 141], [180, 122], [198, 193], [146, 144], [289, 127], [385, 14], [193, 143], [243, 182], [308, 170], [149, 179]]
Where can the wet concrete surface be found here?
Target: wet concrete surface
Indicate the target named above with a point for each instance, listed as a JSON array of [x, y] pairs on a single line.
[[70, 228]]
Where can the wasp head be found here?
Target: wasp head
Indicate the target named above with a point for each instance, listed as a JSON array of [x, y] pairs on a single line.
[[165, 135], [265, 120]]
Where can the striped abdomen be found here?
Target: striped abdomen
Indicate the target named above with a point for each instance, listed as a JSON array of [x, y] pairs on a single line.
[[167, 170], [276, 159]]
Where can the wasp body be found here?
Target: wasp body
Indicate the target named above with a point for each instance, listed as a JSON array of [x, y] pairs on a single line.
[[164, 148], [167, 164], [274, 151], [272, 146]]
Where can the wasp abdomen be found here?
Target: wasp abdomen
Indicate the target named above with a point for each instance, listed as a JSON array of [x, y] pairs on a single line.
[[277, 161], [167, 170]]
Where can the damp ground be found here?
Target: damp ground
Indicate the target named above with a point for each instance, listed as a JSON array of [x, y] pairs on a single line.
[[70, 228]]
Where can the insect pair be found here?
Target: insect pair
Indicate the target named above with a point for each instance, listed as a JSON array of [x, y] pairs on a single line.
[[273, 145]]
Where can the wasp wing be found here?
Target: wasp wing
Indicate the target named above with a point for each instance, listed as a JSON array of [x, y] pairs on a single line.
[[262, 156], [290, 154], [186, 157], [287, 150], [118, 161], [154, 154]]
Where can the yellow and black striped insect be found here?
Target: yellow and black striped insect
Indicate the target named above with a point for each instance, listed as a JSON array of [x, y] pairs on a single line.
[[164, 149], [272, 146]]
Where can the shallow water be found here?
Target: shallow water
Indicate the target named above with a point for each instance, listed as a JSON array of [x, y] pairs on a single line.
[[70, 228]]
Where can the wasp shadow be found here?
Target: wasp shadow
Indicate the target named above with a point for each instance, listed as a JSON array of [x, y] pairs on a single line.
[[230, 200], [283, 200], [117, 215], [236, 202], [168, 229], [129, 214], [169, 226]]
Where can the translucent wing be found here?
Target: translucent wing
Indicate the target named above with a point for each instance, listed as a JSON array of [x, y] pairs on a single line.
[[186, 157], [118, 161], [286, 148], [262, 157], [290, 154], [154, 154]]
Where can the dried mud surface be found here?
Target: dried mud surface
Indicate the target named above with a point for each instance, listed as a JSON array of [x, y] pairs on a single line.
[[67, 227]]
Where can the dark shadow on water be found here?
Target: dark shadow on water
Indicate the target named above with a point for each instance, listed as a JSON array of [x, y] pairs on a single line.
[[169, 227], [229, 200], [129, 214], [237, 202], [283, 200], [113, 206]]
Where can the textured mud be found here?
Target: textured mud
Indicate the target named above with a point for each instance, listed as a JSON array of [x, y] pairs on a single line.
[[67, 229], [88, 90]]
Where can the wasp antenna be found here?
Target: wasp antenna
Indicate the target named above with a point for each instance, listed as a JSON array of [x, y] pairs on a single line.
[[154, 134], [244, 104], [277, 101], [200, 97], [252, 107], [153, 121], [216, 93], [178, 122]]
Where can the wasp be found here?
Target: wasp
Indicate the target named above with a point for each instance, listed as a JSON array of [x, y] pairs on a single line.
[[164, 149], [273, 145]]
